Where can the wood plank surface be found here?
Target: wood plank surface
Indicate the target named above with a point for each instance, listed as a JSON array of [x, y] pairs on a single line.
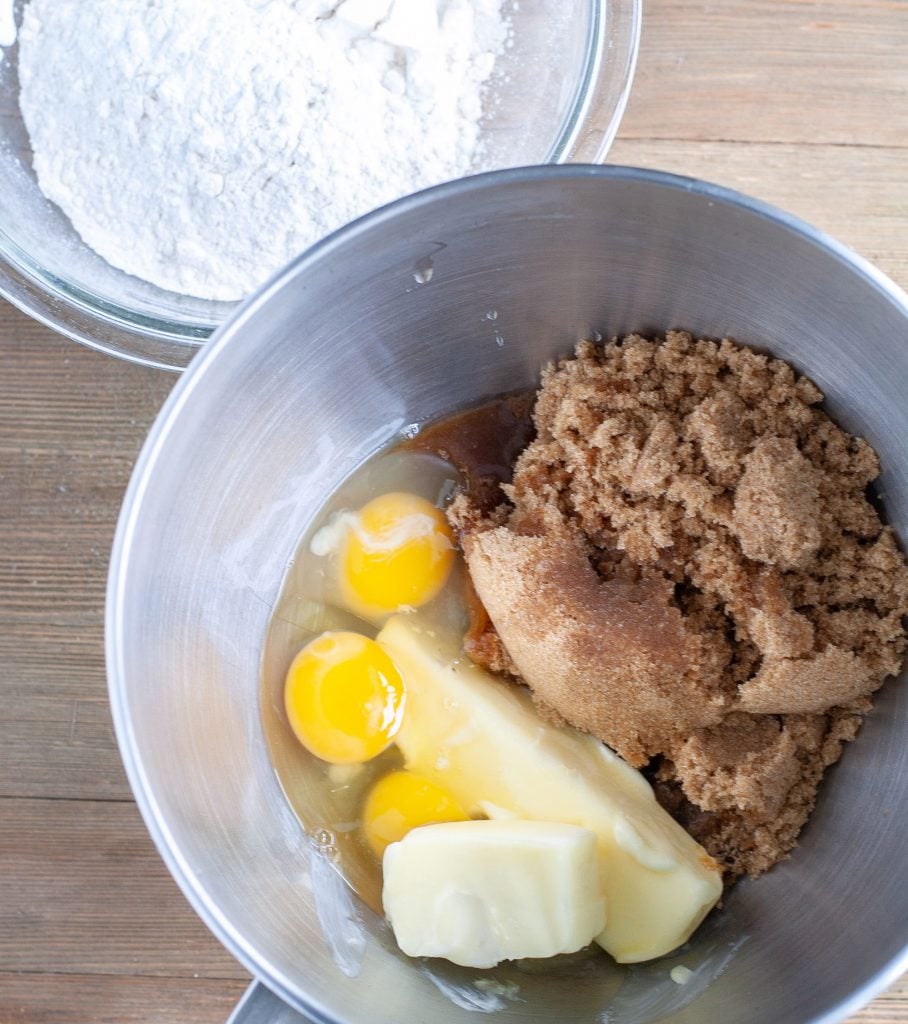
[[803, 103], [773, 71], [111, 999], [71, 868]]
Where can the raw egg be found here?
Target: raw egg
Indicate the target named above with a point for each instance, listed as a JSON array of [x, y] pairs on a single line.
[[402, 801], [344, 697], [396, 554]]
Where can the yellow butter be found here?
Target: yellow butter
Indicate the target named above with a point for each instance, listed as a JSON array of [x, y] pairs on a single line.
[[479, 892], [483, 741]]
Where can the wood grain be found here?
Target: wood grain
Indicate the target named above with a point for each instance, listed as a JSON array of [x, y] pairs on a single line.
[[71, 424], [806, 72], [105, 999], [82, 890], [803, 103]]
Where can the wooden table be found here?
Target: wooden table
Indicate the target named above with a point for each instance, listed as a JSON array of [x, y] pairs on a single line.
[[800, 102]]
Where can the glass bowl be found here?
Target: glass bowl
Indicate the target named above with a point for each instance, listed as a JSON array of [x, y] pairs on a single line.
[[560, 92]]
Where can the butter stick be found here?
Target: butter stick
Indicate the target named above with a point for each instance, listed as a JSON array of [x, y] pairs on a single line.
[[479, 892], [483, 740]]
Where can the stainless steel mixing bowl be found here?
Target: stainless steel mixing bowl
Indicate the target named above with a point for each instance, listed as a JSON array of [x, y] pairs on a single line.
[[425, 306]]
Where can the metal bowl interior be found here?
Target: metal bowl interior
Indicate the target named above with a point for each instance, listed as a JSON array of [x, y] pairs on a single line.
[[560, 93], [328, 364]]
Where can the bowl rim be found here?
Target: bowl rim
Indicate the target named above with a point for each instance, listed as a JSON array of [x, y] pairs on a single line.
[[156, 441], [606, 76]]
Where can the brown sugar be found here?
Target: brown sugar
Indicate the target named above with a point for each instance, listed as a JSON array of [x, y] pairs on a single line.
[[686, 564], [647, 678]]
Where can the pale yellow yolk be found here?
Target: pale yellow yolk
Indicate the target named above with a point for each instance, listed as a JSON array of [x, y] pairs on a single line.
[[403, 801], [344, 698], [397, 554]]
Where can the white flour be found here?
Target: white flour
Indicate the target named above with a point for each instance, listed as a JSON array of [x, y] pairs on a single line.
[[7, 24], [200, 145]]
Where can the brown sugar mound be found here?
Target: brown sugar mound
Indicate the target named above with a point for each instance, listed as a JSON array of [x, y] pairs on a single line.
[[649, 679], [686, 565]]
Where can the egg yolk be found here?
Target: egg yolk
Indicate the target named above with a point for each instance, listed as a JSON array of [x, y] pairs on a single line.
[[344, 698], [402, 801], [397, 554]]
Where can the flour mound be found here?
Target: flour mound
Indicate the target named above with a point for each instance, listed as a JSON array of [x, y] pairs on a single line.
[[201, 145]]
